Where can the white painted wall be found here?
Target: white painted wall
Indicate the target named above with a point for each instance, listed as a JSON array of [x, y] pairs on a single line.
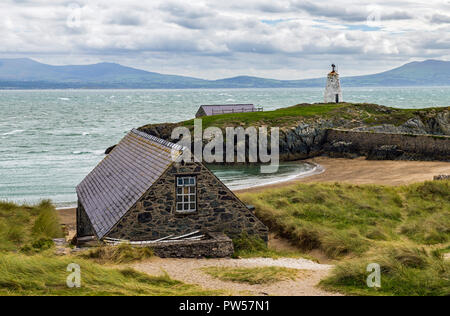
[[333, 88]]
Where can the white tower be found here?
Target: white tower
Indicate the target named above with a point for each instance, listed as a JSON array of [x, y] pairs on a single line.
[[333, 91]]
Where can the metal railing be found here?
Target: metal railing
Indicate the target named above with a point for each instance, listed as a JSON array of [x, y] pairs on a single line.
[[242, 110]]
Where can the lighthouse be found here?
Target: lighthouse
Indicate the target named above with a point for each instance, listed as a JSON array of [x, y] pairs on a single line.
[[333, 91]]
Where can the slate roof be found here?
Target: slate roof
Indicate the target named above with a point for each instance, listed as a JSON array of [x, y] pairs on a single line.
[[123, 177], [227, 108]]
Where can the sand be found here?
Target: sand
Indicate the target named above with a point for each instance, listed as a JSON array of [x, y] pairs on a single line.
[[362, 171], [189, 271]]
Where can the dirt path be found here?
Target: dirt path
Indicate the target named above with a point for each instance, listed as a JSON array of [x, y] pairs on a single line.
[[188, 270]]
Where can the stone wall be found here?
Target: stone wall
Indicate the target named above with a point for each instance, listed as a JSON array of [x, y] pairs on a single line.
[[219, 210], [217, 246], [382, 146], [84, 227]]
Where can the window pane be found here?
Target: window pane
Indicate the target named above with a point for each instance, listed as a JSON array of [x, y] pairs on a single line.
[[180, 191], [179, 207], [192, 190], [186, 181], [186, 207], [193, 206], [179, 198], [192, 181]]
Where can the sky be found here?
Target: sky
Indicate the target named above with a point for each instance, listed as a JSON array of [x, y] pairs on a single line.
[[212, 39]]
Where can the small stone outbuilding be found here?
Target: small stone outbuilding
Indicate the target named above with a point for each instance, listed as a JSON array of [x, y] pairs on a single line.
[[140, 192], [210, 110]]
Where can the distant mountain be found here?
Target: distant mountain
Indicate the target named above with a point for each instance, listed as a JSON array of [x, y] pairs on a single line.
[[426, 73], [29, 74]]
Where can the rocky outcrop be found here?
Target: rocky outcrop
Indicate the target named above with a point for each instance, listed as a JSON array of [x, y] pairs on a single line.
[[442, 177], [385, 146], [308, 137]]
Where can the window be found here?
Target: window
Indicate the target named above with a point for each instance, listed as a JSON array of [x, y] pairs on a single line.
[[186, 194]]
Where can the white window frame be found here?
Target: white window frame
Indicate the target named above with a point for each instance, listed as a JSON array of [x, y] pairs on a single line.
[[186, 194]]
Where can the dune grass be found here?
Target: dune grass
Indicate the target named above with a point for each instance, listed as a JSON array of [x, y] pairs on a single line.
[[28, 265], [246, 246], [404, 272], [118, 254], [344, 219], [43, 275], [405, 229], [253, 276], [31, 227]]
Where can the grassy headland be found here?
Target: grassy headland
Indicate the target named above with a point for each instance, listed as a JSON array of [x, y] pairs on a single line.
[[348, 221], [358, 113]]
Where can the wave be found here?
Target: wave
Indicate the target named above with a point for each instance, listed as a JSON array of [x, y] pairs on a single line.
[[17, 131], [95, 152]]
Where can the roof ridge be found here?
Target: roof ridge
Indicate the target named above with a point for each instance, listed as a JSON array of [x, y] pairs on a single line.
[[157, 140]]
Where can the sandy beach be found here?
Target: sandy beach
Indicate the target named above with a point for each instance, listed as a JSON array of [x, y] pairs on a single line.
[[362, 171]]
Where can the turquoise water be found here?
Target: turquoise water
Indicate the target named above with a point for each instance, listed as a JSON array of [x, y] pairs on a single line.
[[50, 140]]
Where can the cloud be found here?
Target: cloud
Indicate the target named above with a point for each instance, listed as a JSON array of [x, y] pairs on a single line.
[[440, 19], [282, 39]]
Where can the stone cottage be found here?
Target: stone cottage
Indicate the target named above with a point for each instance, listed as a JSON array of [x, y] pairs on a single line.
[[140, 192]]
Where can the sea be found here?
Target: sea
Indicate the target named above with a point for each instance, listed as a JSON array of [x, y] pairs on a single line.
[[51, 139]]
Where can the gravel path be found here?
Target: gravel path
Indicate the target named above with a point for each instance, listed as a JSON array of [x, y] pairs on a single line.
[[188, 271]]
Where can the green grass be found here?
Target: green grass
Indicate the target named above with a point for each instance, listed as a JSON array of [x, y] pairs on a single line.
[[404, 272], [343, 219], [405, 229], [42, 275], [369, 114], [31, 227], [28, 265], [253, 276], [277, 117], [118, 254], [254, 247]]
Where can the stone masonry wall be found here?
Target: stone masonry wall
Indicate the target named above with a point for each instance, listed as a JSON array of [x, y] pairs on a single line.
[[218, 246], [154, 215], [387, 146], [84, 227]]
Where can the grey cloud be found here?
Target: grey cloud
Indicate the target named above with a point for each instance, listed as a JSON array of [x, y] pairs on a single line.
[[440, 19], [182, 9], [127, 19]]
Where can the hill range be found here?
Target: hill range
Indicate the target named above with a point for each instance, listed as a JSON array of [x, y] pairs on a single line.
[[26, 73]]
